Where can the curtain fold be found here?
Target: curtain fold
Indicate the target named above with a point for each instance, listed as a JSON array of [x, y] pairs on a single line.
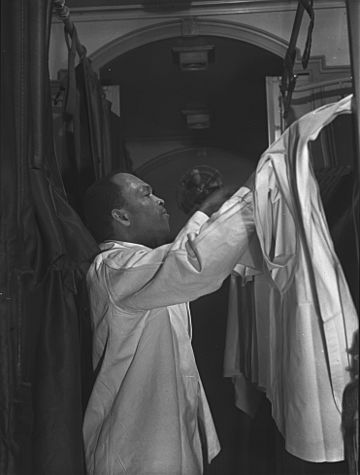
[[45, 251], [87, 116], [92, 131]]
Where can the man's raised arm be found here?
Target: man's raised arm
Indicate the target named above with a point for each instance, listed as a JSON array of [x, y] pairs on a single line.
[[196, 263]]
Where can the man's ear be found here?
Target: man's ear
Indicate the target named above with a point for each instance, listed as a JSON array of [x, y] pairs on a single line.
[[121, 216]]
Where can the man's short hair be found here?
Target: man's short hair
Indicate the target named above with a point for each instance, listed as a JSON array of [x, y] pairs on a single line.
[[100, 199]]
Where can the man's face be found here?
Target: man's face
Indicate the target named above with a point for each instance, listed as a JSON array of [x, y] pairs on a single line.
[[149, 220]]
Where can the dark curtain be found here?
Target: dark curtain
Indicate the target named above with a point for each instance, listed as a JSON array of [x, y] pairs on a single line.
[[44, 251], [92, 146]]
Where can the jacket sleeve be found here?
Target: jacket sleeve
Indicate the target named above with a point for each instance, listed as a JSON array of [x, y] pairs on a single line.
[[196, 263]]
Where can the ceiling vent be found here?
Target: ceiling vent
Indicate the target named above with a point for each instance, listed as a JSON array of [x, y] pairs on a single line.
[[197, 119], [193, 58]]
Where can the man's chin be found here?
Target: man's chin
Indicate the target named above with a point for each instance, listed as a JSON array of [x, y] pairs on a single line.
[[165, 237]]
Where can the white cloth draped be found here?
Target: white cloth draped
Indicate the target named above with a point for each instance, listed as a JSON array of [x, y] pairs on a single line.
[[305, 316]]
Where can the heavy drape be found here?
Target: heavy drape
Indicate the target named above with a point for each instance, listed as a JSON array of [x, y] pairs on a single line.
[[92, 149], [44, 252], [86, 114]]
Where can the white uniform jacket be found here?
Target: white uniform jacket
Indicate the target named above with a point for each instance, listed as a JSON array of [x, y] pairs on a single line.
[[147, 404], [307, 321]]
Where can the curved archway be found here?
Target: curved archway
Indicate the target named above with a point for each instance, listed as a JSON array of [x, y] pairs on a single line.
[[175, 28]]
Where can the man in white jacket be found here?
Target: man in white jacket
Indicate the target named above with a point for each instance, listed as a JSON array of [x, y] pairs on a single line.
[[148, 407]]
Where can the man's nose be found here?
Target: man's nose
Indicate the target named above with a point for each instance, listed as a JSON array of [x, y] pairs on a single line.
[[159, 201]]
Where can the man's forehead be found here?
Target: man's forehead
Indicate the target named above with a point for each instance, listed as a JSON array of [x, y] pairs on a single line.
[[129, 182]]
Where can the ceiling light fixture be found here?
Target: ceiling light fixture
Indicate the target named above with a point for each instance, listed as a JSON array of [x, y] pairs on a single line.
[[193, 58], [197, 119]]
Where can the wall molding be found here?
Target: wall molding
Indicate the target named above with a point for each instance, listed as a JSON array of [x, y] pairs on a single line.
[[187, 27], [135, 10], [317, 70]]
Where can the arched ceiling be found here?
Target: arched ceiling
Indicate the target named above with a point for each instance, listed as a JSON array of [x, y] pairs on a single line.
[[154, 92]]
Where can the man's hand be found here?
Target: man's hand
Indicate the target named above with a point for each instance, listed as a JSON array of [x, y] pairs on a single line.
[[214, 201]]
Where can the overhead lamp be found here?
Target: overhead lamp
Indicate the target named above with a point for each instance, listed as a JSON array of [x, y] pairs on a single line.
[[197, 119], [193, 58]]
